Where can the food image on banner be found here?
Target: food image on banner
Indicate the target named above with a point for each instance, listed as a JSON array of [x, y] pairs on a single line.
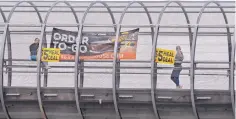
[[50, 55], [165, 56], [95, 45]]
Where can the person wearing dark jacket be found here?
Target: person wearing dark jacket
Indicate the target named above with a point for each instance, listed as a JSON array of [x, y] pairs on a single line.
[[179, 57], [33, 52]]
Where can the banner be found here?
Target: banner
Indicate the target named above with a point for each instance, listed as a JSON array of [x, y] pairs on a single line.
[[50, 55], [165, 56], [95, 45]]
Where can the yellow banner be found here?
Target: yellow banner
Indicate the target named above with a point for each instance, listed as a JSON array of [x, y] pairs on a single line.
[[165, 56], [51, 54]]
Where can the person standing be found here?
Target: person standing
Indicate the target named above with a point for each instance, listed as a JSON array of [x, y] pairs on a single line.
[[33, 52], [179, 57]]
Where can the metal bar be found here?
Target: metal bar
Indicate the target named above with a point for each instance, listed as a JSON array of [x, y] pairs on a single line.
[[45, 77], [79, 39], [207, 74], [117, 12], [50, 95], [128, 61], [193, 55], [9, 54], [134, 61], [117, 75], [8, 48], [232, 74], [114, 70], [164, 97], [13, 94], [229, 40], [80, 113], [117, 33], [81, 63], [123, 67], [4, 38], [127, 26], [116, 50], [38, 75], [192, 73], [2, 47], [153, 64], [17, 5], [40, 102], [87, 96], [203, 98], [126, 96], [114, 1], [121, 6], [140, 33]]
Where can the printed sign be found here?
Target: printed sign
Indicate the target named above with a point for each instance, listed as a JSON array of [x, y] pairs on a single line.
[[95, 45], [51, 55], [165, 56]]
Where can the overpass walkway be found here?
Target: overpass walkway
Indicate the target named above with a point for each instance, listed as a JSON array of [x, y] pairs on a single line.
[[81, 102]]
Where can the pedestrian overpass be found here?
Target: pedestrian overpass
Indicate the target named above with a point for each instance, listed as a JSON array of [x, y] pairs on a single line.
[[80, 102]]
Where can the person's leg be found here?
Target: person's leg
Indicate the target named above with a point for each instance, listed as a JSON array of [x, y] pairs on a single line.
[[173, 79], [45, 65], [177, 79], [173, 76]]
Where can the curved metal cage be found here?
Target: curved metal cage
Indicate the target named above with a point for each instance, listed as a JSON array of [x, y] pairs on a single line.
[[116, 96]]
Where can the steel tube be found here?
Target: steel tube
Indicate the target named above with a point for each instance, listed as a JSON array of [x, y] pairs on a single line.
[[67, 72], [140, 33], [194, 47], [45, 77], [153, 64], [118, 12], [41, 107], [78, 41], [191, 1], [132, 61], [8, 48], [115, 63], [123, 67], [2, 46], [81, 75], [7, 36], [80, 114], [126, 26], [13, 9], [232, 74], [121, 6], [9, 54]]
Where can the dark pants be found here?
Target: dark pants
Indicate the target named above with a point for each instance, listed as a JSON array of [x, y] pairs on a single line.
[[175, 75]]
